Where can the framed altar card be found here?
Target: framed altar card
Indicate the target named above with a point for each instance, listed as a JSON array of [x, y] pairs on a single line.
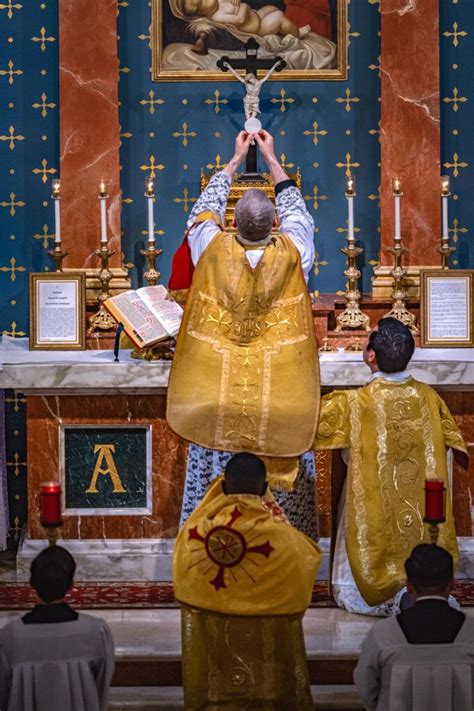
[[57, 311], [189, 37], [446, 309]]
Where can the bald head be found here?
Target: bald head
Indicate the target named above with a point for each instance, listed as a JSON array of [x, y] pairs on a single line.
[[254, 215]]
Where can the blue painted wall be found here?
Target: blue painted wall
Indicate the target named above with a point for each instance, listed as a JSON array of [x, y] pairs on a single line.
[[29, 104]]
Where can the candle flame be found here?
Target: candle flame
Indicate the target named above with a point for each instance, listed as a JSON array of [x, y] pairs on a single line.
[[103, 189], [397, 186], [150, 187], [56, 189], [350, 186], [445, 185]]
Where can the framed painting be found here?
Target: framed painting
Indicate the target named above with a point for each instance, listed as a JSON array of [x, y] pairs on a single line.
[[189, 37]]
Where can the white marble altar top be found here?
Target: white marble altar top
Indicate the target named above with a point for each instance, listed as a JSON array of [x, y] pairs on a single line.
[[93, 371]]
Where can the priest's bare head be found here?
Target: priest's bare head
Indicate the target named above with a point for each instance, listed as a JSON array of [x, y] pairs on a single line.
[[389, 347], [245, 473], [52, 573], [254, 215], [429, 571]]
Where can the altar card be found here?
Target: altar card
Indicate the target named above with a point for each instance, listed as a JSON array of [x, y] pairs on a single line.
[[57, 311], [446, 308]]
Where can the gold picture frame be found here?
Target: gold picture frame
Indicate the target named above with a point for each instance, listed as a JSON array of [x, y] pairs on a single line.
[[50, 294], [161, 71], [446, 308]]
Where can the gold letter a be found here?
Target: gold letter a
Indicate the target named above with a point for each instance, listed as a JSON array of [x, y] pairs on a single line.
[[105, 453]]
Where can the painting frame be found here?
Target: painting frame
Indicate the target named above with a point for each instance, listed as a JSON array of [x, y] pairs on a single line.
[[429, 311], [76, 342], [160, 74]]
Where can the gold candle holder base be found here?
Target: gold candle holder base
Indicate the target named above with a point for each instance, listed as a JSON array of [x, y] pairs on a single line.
[[399, 295], [151, 253], [326, 348], [355, 346], [352, 316], [58, 255], [102, 320], [159, 351], [52, 533], [446, 251], [434, 533]]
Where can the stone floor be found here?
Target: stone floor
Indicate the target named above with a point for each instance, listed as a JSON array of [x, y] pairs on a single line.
[[155, 634], [148, 642]]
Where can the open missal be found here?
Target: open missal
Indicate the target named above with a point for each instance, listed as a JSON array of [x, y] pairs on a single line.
[[147, 315]]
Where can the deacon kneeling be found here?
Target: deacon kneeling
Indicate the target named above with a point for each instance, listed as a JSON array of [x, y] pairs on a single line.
[[244, 577], [397, 431]]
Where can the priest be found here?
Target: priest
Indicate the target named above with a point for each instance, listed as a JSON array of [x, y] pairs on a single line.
[[244, 578], [395, 432], [245, 376]]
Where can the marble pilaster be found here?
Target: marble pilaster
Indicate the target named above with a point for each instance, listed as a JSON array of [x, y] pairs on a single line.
[[410, 126], [89, 126]]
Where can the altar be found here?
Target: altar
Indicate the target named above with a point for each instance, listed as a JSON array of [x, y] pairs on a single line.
[[86, 396]]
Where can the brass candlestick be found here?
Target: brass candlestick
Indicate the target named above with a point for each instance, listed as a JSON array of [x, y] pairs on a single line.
[[151, 253], [58, 255], [52, 532], [399, 296], [352, 316], [355, 346], [326, 347], [446, 251], [102, 320]]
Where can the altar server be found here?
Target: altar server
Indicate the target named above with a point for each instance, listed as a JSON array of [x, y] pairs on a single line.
[[245, 375], [423, 658], [244, 577], [396, 431], [53, 658]]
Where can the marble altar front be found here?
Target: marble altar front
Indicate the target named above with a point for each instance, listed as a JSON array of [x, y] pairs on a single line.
[[89, 394]]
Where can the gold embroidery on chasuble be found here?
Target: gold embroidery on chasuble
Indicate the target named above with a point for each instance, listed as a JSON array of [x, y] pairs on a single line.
[[396, 443], [246, 364]]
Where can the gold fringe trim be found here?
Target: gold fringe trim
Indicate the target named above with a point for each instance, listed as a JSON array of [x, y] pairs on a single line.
[[282, 472]]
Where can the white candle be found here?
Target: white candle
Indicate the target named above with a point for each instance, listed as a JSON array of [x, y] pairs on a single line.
[[398, 235], [397, 194], [445, 218], [103, 220], [444, 202], [57, 220], [350, 222], [151, 222], [350, 194], [103, 212]]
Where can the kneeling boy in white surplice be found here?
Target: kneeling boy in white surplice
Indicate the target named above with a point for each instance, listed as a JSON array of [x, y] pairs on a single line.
[[53, 658], [423, 658]]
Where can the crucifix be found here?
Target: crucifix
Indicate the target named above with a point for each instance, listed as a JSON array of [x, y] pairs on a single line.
[[251, 64]]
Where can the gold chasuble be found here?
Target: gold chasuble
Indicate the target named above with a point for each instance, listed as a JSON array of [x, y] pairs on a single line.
[[244, 577], [397, 434], [245, 375]]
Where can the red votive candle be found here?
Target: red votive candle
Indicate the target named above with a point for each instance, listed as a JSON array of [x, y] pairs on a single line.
[[50, 496], [435, 511]]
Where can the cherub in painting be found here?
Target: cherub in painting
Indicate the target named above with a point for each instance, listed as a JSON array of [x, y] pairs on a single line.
[[269, 20]]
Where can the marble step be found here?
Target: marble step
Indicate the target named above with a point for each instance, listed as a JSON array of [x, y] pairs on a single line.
[[170, 698]]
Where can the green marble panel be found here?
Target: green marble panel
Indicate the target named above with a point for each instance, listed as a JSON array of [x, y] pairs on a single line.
[[105, 468]]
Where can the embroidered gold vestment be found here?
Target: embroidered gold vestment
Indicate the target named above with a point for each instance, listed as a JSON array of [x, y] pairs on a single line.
[[397, 434], [239, 555], [245, 375]]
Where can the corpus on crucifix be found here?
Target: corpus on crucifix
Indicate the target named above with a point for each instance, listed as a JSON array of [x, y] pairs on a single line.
[[251, 64]]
